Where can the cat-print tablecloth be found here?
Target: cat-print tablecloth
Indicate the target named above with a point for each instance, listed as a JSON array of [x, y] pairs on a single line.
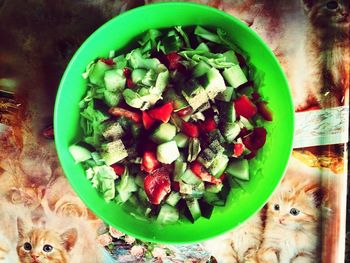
[[304, 221]]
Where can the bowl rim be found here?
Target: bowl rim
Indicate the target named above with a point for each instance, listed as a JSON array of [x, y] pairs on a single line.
[[144, 9]]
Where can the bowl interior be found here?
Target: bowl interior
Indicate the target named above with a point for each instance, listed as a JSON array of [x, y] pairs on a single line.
[[269, 166]]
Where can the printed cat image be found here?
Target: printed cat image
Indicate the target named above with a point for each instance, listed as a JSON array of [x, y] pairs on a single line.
[[38, 245], [239, 245], [7, 254], [328, 51], [294, 210]]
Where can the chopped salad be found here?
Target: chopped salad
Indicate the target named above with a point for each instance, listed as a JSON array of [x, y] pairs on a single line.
[[169, 126]]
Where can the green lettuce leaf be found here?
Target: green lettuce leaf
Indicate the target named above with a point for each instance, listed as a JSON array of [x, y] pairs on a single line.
[[205, 34], [102, 178], [184, 36]]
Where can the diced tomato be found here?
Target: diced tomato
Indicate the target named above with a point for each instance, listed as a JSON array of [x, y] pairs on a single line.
[[147, 120], [108, 61], [198, 169], [185, 111], [256, 139], [223, 177], [130, 83], [244, 107], [149, 162], [176, 186], [238, 149], [173, 60], [118, 168], [250, 155], [209, 124], [255, 96], [157, 186], [117, 111], [162, 113], [264, 111], [190, 129], [127, 73]]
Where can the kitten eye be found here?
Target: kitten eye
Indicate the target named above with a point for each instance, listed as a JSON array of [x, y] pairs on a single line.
[[332, 5], [47, 248], [276, 207], [27, 246], [294, 211]]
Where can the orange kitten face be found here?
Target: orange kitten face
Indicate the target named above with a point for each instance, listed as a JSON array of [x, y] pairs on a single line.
[[331, 14], [44, 246], [294, 206]]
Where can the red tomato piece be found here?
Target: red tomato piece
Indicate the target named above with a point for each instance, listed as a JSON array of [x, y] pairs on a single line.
[[118, 169], [173, 60], [147, 120], [238, 149], [190, 129], [162, 113], [127, 73], [245, 107], [108, 61], [209, 124], [264, 111], [198, 169], [157, 186], [149, 162], [185, 111], [117, 111]]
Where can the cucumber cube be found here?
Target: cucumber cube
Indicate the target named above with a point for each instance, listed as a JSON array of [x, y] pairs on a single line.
[[216, 147], [113, 152], [180, 168], [168, 215], [113, 131], [164, 133], [206, 157], [214, 188], [181, 140], [79, 153], [167, 152], [234, 76], [190, 178], [226, 95], [111, 98], [230, 131], [217, 168], [239, 169], [114, 80], [194, 208], [97, 74], [173, 198], [195, 95], [216, 83]]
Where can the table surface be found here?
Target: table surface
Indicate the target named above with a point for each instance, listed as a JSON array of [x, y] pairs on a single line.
[[37, 40]]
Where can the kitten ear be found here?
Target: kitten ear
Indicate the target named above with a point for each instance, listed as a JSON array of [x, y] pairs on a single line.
[[21, 229], [69, 238], [307, 4], [317, 192]]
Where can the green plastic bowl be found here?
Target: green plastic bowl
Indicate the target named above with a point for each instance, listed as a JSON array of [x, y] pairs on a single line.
[[267, 169]]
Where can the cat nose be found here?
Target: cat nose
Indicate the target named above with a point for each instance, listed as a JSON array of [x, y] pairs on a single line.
[[281, 220], [34, 256]]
